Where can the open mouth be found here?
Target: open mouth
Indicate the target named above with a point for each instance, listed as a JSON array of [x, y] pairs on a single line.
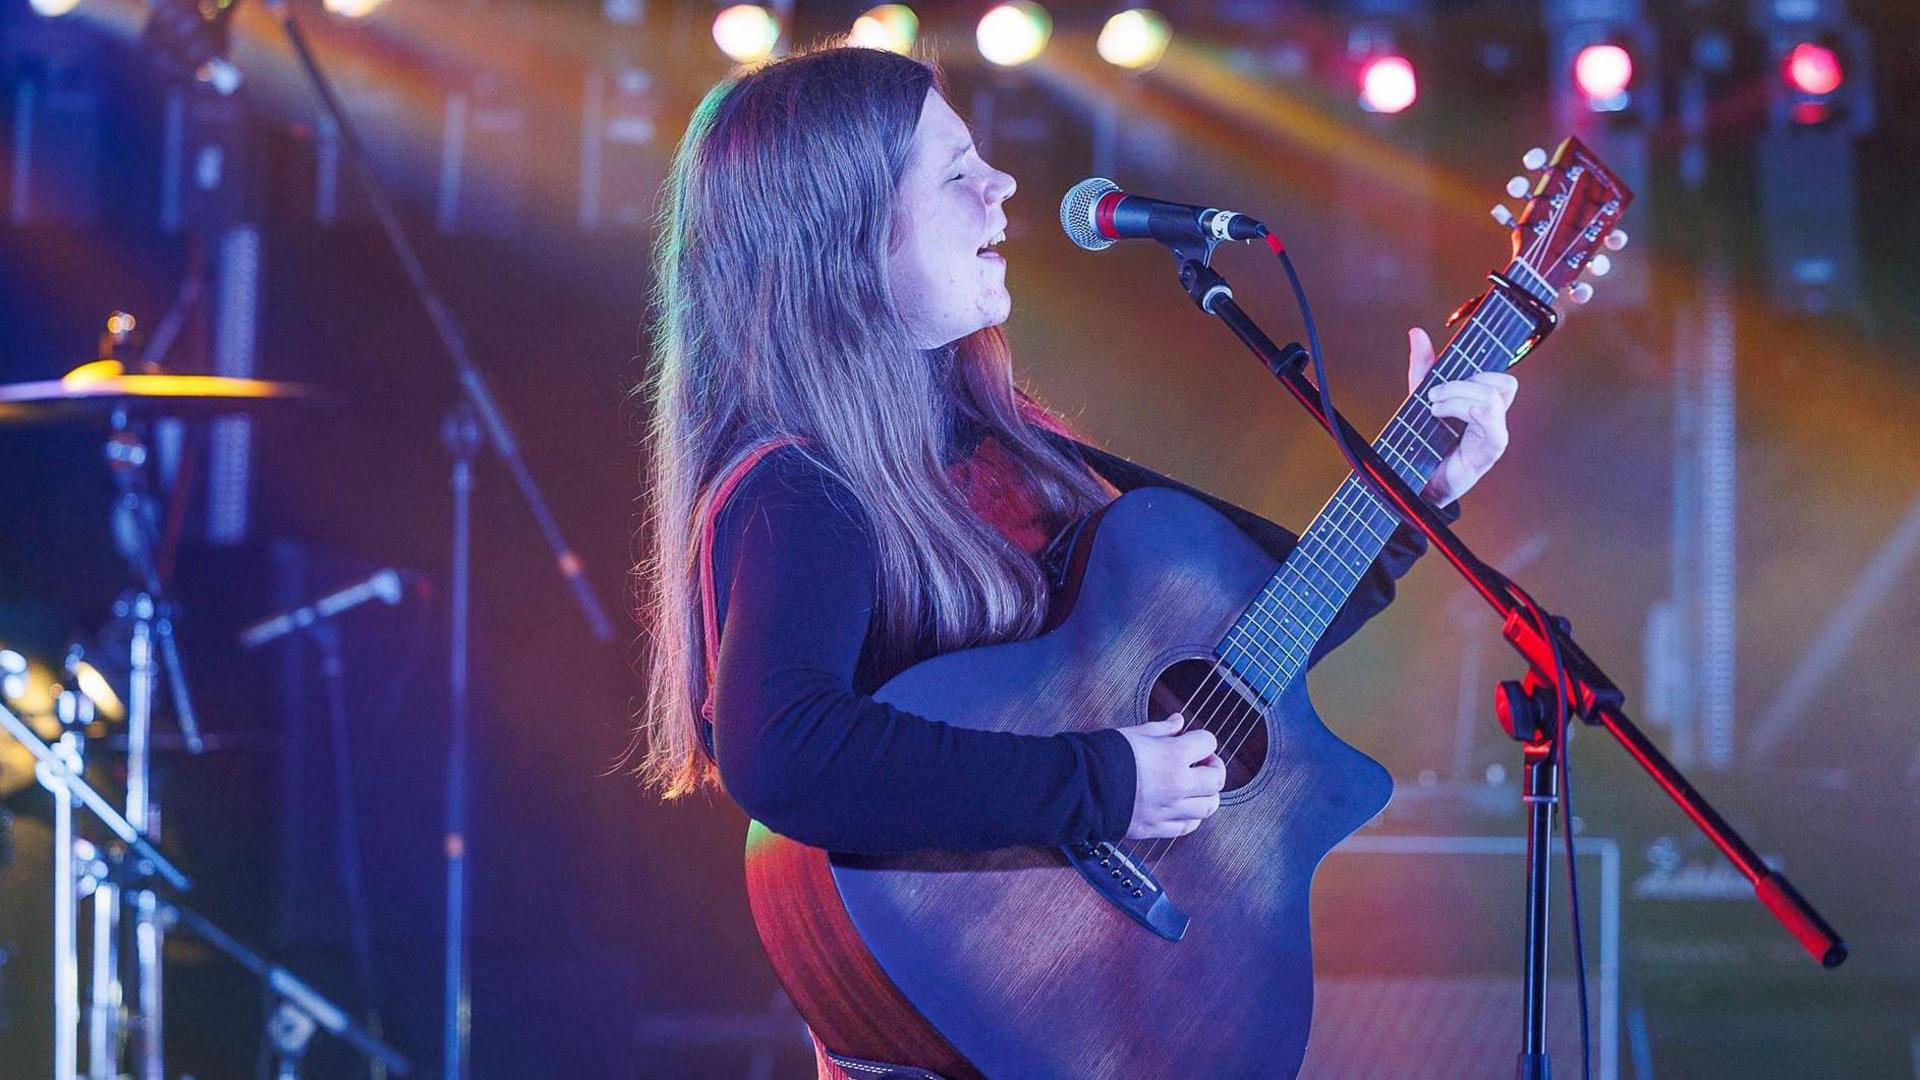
[[987, 252]]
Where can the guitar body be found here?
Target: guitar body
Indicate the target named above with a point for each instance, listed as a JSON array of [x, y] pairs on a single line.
[[1009, 963]]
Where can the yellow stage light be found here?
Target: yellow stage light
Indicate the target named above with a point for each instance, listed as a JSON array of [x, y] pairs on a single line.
[[353, 9], [1014, 33], [1134, 39], [747, 33], [892, 27], [53, 9]]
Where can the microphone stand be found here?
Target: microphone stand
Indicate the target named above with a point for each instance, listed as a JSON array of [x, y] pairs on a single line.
[[1550, 655], [476, 420]]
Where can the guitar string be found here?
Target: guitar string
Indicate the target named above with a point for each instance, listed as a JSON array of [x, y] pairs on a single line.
[[1316, 555], [1296, 651], [1350, 493], [1293, 649], [1296, 647], [1301, 649], [1501, 321], [1351, 496]]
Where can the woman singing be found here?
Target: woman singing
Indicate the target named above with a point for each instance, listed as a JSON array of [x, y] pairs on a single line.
[[845, 479]]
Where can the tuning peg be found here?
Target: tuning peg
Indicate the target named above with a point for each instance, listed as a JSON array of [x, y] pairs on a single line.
[[1518, 187], [1616, 239], [1503, 215], [1599, 265], [1580, 293], [1533, 159]]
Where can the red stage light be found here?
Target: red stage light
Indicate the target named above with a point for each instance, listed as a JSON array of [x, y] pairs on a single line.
[[1814, 69], [1603, 72], [1387, 84]]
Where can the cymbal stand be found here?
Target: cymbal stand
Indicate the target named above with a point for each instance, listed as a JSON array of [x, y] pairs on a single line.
[[143, 867], [68, 758], [152, 645]]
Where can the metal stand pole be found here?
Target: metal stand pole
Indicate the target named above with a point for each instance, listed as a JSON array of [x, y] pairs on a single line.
[[103, 1010], [66, 939], [143, 815], [289, 1031], [326, 638], [1522, 714], [478, 415], [462, 435]]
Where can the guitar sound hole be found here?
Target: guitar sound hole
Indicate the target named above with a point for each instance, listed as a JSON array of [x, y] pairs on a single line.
[[1204, 694]]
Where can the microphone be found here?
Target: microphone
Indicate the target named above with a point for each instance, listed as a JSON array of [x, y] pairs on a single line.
[[1095, 213], [383, 586]]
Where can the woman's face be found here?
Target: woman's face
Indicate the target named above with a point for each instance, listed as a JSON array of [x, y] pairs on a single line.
[[947, 215]]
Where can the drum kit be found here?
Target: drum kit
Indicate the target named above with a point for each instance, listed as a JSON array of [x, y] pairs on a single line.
[[56, 717]]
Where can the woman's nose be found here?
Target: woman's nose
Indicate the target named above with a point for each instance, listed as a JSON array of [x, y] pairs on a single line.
[[1000, 186]]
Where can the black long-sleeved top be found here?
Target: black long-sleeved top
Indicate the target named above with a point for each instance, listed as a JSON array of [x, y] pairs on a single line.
[[805, 749]]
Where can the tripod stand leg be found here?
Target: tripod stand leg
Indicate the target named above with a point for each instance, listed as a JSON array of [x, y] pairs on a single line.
[[66, 938], [103, 1009]]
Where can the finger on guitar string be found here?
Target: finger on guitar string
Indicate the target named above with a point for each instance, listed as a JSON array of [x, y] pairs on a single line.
[[1208, 776], [1199, 744], [1503, 384], [1467, 393], [1164, 775]]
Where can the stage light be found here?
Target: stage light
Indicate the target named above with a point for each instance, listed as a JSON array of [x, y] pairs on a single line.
[[53, 9], [1821, 103], [1814, 69], [892, 27], [1134, 39], [353, 9], [1603, 73], [1813, 72], [747, 33], [1387, 84], [1014, 33]]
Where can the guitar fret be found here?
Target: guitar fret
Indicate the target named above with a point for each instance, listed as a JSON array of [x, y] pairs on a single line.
[[1272, 641]]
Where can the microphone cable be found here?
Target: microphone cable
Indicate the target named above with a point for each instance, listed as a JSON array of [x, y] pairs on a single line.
[[1562, 689]]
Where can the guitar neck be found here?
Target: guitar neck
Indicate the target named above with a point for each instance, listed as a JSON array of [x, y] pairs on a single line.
[[1272, 642]]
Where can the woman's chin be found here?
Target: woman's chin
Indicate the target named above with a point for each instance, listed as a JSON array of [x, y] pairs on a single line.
[[998, 306]]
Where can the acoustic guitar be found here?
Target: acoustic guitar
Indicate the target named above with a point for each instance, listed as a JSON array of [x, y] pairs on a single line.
[[1153, 959]]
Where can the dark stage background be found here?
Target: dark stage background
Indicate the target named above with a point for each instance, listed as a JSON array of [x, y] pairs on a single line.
[[1713, 474]]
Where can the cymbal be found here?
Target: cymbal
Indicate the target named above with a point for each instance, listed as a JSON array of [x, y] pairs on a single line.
[[94, 391]]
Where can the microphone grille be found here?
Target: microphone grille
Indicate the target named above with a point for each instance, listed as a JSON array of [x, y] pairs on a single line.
[[1076, 212]]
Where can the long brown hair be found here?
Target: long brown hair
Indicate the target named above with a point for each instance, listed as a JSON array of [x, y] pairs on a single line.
[[774, 319]]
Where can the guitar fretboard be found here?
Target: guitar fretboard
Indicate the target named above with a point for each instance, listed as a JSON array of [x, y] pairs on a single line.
[[1272, 642]]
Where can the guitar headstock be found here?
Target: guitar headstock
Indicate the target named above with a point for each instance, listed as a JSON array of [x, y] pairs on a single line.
[[1572, 212]]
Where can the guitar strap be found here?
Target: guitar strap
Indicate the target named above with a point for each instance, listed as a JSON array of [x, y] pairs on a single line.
[[709, 596]]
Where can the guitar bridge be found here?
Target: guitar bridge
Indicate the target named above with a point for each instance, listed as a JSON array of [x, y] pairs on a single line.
[[1128, 886]]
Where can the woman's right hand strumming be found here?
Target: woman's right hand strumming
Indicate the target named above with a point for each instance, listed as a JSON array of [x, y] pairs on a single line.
[[1177, 778]]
